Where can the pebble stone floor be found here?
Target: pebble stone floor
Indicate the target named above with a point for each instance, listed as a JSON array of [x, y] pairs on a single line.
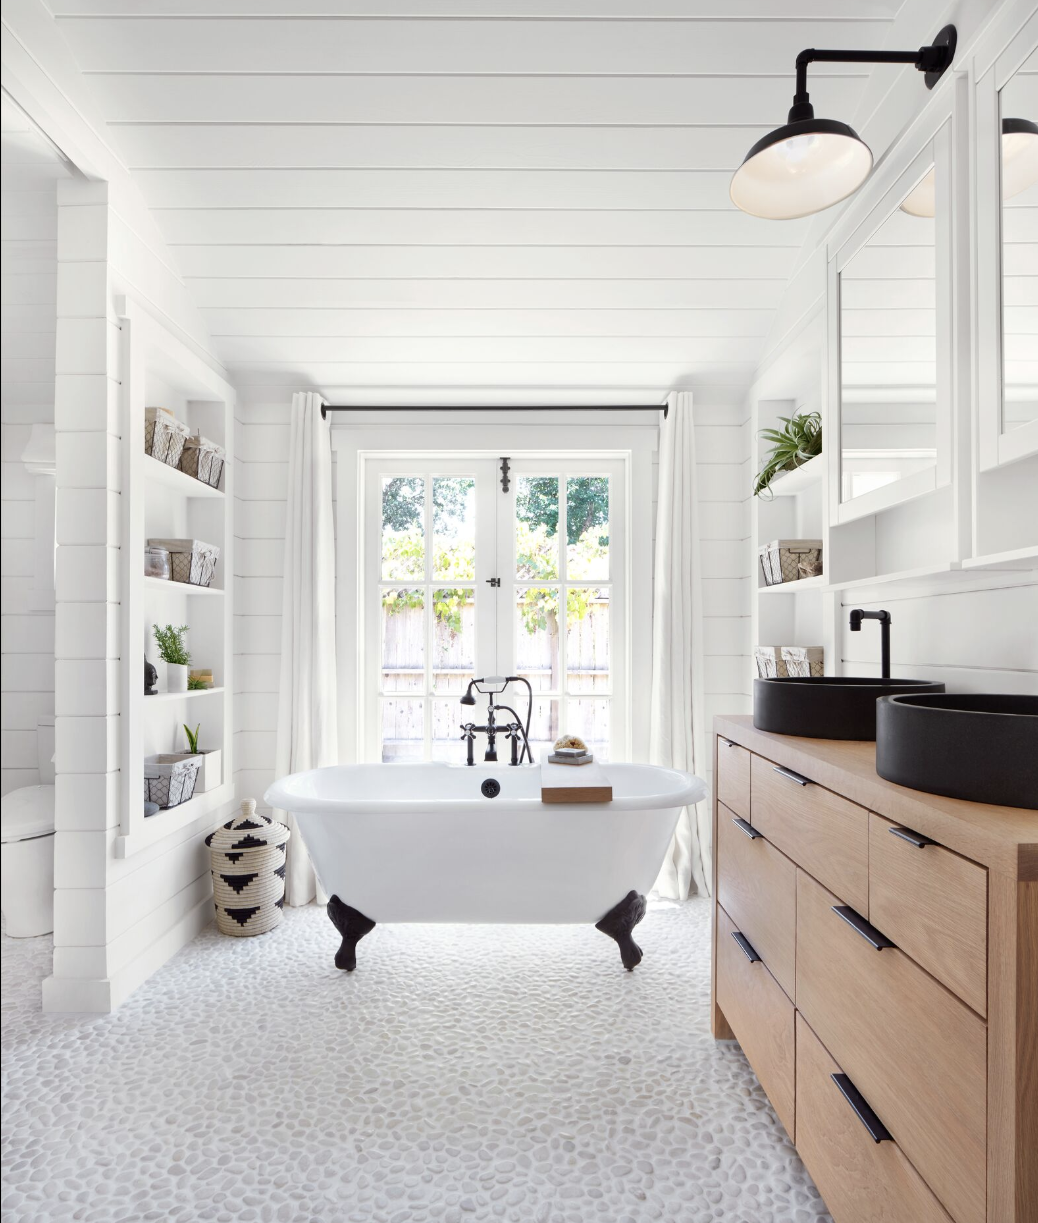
[[462, 1073]]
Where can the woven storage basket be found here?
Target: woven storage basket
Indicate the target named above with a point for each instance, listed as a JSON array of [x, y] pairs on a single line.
[[804, 661], [170, 780], [203, 459], [783, 560], [769, 660], [164, 436], [190, 560], [247, 856]]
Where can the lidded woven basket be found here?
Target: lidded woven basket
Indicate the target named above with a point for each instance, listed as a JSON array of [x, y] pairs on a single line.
[[247, 856]]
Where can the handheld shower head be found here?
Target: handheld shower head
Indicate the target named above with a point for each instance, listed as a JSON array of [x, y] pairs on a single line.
[[468, 698]]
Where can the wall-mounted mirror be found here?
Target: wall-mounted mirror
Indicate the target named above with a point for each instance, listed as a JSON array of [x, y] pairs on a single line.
[[1018, 115], [893, 347]]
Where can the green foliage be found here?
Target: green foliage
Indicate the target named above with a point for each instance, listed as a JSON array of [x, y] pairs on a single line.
[[587, 504], [403, 501], [171, 644], [192, 737], [798, 440]]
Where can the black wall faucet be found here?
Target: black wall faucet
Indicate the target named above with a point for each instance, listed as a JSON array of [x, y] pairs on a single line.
[[857, 616]]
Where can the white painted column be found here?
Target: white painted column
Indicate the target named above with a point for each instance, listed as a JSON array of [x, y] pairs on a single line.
[[87, 601]]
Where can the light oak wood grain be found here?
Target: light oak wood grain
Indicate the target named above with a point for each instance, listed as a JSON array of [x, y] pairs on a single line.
[[757, 887], [1004, 839], [733, 777], [720, 1028], [933, 904], [859, 1179], [915, 1052], [762, 1018], [824, 833]]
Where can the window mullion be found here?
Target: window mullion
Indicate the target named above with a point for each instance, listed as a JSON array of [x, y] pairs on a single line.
[[563, 536]]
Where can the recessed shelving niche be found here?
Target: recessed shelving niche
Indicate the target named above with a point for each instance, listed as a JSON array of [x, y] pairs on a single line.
[[166, 503]]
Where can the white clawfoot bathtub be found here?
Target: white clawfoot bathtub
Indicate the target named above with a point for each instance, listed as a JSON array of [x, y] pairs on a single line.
[[421, 843]]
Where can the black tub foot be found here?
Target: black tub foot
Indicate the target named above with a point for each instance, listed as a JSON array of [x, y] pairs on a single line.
[[352, 926], [618, 924]]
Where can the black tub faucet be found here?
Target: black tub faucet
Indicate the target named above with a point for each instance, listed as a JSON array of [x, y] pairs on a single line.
[[857, 616]]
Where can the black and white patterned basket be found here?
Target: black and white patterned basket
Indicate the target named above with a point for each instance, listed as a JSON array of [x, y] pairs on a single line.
[[190, 560], [247, 856]]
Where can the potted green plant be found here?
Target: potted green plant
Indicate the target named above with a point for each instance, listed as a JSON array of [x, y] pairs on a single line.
[[799, 439], [209, 774], [174, 654]]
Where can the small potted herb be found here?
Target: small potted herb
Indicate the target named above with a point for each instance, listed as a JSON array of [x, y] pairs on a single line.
[[174, 654], [209, 775], [799, 439]]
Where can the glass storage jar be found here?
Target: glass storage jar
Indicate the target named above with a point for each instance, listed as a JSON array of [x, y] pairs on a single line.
[[156, 563]]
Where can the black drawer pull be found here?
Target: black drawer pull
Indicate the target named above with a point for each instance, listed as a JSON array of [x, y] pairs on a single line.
[[913, 838], [878, 1132], [747, 828], [797, 777], [729, 743], [858, 923], [745, 946]]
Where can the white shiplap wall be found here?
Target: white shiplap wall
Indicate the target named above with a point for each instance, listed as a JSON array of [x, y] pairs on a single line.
[[31, 169], [261, 472]]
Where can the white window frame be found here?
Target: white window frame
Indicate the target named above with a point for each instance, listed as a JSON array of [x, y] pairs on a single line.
[[459, 436]]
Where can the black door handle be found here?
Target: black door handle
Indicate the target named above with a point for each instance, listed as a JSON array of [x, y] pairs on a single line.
[[878, 1132], [799, 778], [746, 827], [913, 838], [860, 926], [745, 946]]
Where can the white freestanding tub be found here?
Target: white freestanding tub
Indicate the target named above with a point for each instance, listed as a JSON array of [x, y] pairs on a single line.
[[422, 843]]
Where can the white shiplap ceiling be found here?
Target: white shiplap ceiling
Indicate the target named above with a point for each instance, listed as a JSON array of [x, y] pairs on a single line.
[[506, 196]]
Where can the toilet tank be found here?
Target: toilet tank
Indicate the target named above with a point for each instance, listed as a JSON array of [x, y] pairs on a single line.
[[45, 747]]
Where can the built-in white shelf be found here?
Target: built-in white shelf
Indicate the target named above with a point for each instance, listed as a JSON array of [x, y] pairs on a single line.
[[789, 483], [1018, 559], [180, 588], [165, 823], [156, 472], [948, 570], [179, 696], [818, 582]]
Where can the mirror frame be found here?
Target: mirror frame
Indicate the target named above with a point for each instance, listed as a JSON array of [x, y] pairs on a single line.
[[936, 151], [995, 447]]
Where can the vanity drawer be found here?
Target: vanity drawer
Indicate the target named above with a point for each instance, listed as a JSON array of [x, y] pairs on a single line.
[[859, 1178], [733, 776], [915, 1052], [760, 1015], [822, 832], [933, 904], [757, 887]]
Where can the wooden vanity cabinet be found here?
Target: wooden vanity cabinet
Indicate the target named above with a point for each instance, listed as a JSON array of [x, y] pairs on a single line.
[[876, 956]]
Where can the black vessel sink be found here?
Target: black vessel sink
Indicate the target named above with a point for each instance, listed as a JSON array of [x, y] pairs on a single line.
[[826, 707], [976, 746]]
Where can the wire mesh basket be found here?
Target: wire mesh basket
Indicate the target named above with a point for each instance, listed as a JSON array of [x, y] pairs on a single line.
[[190, 560], [170, 780], [789, 560], [203, 459], [164, 436]]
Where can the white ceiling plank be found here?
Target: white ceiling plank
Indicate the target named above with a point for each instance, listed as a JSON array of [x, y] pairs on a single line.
[[482, 227], [482, 294], [486, 262], [471, 99], [442, 394], [659, 48], [494, 373], [355, 146], [793, 10], [279, 321], [589, 189], [266, 351]]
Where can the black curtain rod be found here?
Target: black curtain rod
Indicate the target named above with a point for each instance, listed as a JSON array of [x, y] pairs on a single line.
[[497, 407]]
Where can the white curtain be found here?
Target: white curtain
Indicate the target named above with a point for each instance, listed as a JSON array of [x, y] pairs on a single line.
[[676, 716], [307, 735]]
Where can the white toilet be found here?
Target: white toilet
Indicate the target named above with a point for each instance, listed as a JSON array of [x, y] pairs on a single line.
[[27, 860]]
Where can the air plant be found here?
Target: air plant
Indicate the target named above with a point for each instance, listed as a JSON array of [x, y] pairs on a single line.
[[798, 440]]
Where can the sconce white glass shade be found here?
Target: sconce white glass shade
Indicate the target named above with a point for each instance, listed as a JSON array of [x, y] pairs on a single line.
[[921, 201], [1019, 156], [800, 169]]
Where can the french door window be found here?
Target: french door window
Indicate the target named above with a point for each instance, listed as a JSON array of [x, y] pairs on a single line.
[[461, 578]]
